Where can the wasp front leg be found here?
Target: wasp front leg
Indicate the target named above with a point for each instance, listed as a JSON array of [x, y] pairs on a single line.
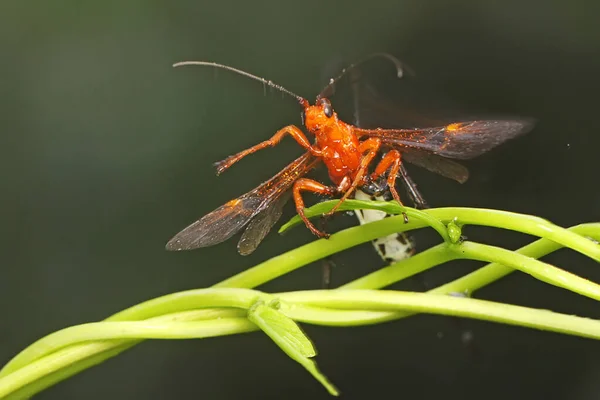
[[291, 130], [308, 185], [391, 162]]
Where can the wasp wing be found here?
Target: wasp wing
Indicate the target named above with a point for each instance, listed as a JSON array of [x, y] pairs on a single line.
[[437, 164], [261, 224], [460, 140], [227, 220], [219, 225]]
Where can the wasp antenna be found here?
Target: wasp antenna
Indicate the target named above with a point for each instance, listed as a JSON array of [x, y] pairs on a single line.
[[400, 68], [269, 83]]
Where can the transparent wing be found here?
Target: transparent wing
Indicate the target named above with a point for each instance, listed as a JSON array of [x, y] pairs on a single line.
[[219, 225], [437, 164], [227, 220], [261, 224], [460, 140]]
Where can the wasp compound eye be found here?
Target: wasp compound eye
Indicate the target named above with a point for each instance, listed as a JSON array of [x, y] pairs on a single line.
[[327, 109]]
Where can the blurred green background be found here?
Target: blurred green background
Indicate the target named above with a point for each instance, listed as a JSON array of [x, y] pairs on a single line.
[[107, 152]]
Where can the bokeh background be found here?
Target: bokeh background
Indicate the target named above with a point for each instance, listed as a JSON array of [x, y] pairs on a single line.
[[106, 152]]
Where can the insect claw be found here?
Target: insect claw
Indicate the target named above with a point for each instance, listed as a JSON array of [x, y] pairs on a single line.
[[405, 217], [323, 235], [318, 233], [220, 166]]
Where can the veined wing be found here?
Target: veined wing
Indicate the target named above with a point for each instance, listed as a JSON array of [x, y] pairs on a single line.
[[437, 164], [227, 220], [460, 140], [261, 224]]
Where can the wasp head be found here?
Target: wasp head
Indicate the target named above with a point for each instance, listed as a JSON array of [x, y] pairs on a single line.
[[316, 116]]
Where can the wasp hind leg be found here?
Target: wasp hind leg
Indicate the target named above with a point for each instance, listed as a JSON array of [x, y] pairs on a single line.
[[390, 162], [412, 190]]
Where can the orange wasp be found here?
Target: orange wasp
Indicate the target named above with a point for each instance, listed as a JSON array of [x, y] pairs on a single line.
[[348, 152]]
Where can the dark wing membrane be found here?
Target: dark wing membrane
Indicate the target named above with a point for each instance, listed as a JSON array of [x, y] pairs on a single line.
[[437, 164], [260, 225], [460, 140], [219, 225], [227, 220]]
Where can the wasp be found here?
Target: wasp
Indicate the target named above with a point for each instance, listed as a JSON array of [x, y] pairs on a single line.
[[349, 154]]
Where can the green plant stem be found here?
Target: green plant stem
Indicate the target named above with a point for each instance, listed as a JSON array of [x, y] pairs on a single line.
[[538, 269], [75, 358], [445, 305], [368, 300], [494, 271], [469, 283], [527, 224], [484, 276], [406, 268], [181, 306], [68, 361]]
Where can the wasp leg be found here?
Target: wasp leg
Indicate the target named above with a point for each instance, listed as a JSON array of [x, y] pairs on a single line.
[[390, 162], [291, 130], [371, 147], [308, 185], [411, 187]]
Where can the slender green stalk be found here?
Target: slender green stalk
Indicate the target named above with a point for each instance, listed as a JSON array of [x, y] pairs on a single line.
[[105, 330], [55, 362], [444, 305], [470, 282], [539, 270], [67, 363], [406, 268], [301, 307], [295, 305], [466, 216], [58, 356], [194, 299]]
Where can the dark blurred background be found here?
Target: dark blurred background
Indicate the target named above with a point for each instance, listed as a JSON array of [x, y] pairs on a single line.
[[107, 153]]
